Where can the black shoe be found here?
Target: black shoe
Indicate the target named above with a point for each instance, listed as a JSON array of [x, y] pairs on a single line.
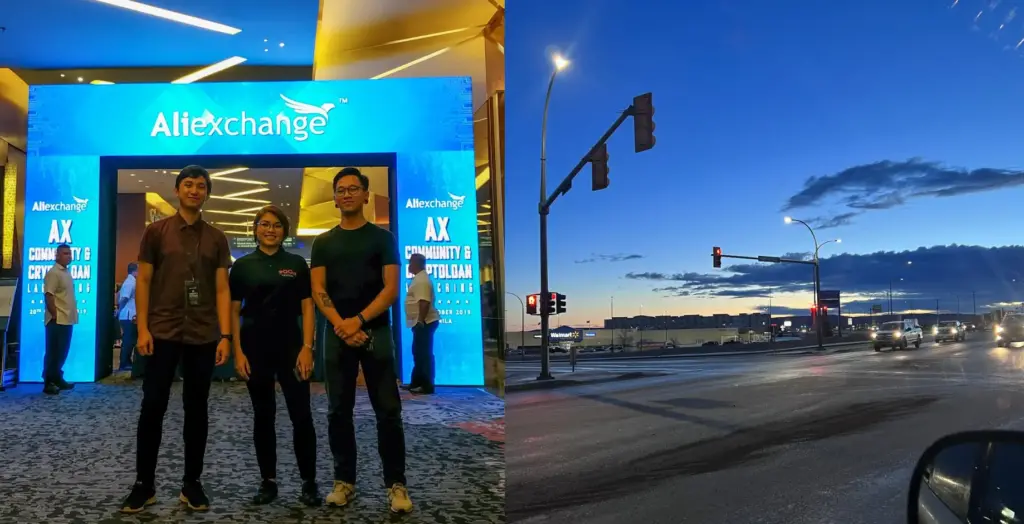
[[266, 494], [310, 494], [64, 385], [422, 391], [51, 389], [140, 497], [193, 495]]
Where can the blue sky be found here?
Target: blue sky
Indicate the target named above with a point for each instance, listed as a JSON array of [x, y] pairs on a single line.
[[888, 103]]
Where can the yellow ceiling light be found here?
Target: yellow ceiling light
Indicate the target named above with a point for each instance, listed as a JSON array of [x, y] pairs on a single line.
[[424, 37], [239, 180], [231, 171], [310, 231], [210, 70], [232, 224], [173, 16], [246, 192], [222, 212], [407, 65], [237, 199], [101, 83], [236, 233]]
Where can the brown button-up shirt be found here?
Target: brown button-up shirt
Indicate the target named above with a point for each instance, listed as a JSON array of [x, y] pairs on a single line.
[[181, 253]]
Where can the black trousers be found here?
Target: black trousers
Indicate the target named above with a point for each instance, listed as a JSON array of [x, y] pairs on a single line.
[[341, 371], [423, 356], [270, 361], [129, 336], [197, 364], [58, 343]]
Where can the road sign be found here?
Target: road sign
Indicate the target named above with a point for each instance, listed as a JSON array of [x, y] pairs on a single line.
[[829, 298], [877, 308]]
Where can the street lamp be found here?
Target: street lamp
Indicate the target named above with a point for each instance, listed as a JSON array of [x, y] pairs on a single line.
[[560, 63], [817, 274]]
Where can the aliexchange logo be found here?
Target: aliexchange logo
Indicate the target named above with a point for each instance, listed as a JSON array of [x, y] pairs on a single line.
[[78, 205], [305, 120], [454, 203]]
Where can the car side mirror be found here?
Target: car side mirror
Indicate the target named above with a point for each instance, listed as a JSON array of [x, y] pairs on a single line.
[[976, 476]]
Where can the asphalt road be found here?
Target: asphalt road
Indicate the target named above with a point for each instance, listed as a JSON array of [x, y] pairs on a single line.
[[788, 439]]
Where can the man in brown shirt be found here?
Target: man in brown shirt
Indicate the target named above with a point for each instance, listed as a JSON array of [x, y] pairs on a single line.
[[183, 305]]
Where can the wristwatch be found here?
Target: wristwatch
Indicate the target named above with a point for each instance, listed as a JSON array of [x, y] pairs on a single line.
[[362, 321], [229, 338]]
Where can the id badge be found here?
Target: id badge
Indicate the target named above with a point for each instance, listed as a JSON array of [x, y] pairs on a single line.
[[192, 297]]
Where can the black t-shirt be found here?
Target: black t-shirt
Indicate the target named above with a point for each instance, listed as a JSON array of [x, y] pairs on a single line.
[[271, 289], [354, 260]]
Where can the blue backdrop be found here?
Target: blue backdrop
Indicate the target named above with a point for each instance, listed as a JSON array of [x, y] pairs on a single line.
[[426, 123]]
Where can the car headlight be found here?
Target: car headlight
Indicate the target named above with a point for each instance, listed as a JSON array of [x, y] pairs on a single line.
[[935, 331], [896, 334], [874, 335], [999, 329]]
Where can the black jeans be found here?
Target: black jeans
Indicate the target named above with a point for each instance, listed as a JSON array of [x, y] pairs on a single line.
[[340, 374], [58, 343], [197, 364], [270, 360], [423, 356], [129, 336]]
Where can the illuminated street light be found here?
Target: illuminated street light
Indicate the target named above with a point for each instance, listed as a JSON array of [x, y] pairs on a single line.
[[560, 62]]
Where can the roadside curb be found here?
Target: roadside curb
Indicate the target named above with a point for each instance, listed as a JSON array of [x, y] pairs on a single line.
[[536, 385], [715, 354]]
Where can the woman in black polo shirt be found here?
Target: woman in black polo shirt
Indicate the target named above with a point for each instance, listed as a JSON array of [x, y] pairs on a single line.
[[273, 322]]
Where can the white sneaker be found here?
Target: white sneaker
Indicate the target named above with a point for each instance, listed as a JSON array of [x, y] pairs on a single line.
[[398, 497], [343, 494]]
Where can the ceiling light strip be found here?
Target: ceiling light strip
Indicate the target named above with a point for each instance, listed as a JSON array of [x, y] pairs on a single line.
[[173, 16], [246, 192], [210, 70], [425, 37], [228, 172], [101, 83], [236, 199]]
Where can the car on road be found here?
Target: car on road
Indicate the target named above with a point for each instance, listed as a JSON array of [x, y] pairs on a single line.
[[898, 334], [1010, 330], [950, 330]]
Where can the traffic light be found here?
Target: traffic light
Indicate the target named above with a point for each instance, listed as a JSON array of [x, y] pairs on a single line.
[[559, 303], [551, 304], [643, 122], [716, 254], [599, 167], [531, 304]]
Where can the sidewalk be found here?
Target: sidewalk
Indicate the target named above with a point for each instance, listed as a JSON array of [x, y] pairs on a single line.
[[80, 446]]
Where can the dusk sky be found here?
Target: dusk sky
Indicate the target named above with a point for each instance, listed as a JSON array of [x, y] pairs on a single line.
[[895, 126]]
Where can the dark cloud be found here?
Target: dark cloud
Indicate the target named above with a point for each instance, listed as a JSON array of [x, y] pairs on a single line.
[[888, 184], [619, 257], [995, 275]]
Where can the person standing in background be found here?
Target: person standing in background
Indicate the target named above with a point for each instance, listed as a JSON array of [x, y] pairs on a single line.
[[273, 318], [126, 317], [355, 280], [421, 315], [60, 319], [183, 303]]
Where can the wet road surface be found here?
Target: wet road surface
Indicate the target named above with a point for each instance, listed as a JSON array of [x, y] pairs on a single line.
[[784, 439]]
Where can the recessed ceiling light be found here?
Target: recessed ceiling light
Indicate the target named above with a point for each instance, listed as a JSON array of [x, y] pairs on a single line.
[[80, 79], [62, 75], [264, 40], [131, 174], [265, 50], [173, 16], [281, 44]]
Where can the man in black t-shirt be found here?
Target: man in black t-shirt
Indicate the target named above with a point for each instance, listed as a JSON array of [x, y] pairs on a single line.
[[355, 280]]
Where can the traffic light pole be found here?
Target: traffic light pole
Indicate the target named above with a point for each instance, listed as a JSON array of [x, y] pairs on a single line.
[[544, 209]]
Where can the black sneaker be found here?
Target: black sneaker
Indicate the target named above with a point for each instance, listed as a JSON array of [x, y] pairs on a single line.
[[266, 494], [310, 494], [422, 391], [64, 385], [51, 389], [193, 495], [140, 497]]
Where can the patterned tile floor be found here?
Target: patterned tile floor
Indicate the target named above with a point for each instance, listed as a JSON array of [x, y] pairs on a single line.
[[71, 458]]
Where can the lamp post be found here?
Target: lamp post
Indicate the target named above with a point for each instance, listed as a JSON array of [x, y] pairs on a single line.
[[560, 64], [817, 275]]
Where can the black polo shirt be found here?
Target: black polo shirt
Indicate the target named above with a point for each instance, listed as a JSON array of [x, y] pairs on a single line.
[[271, 289]]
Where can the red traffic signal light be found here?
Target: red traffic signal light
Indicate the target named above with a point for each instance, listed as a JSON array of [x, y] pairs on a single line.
[[531, 304], [599, 167], [716, 254]]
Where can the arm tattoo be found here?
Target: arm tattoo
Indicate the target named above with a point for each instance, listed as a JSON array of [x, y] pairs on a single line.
[[326, 300]]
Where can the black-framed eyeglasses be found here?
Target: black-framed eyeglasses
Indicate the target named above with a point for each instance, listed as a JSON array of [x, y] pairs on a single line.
[[268, 225], [350, 190]]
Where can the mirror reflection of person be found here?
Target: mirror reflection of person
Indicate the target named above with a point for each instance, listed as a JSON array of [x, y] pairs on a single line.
[[355, 280], [273, 321], [60, 318], [422, 317], [126, 317], [183, 305]]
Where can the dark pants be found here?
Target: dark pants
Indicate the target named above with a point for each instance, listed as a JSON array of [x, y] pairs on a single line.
[[58, 342], [197, 370], [269, 360], [129, 336], [341, 372], [423, 356]]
